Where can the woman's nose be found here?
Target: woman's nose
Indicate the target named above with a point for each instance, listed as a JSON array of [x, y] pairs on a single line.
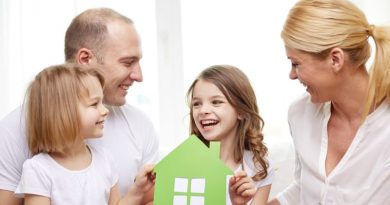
[[293, 74]]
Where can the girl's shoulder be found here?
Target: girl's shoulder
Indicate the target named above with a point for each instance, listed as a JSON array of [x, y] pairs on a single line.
[[251, 169]]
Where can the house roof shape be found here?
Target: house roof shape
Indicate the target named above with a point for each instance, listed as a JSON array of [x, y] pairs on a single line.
[[192, 161]]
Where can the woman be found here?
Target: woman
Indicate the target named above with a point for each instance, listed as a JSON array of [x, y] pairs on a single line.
[[340, 128]]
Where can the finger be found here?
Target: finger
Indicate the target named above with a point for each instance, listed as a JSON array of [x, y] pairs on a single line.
[[241, 181], [249, 192], [148, 168], [240, 174], [246, 187]]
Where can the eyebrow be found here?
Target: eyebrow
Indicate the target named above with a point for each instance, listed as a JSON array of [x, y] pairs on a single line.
[[214, 96], [128, 58]]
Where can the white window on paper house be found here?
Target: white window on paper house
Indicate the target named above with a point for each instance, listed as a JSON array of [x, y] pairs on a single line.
[[189, 191]]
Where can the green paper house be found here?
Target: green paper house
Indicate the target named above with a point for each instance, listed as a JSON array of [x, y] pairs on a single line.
[[192, 174]]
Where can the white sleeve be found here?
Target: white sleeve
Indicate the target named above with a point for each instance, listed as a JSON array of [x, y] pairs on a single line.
[[269, 179], [151, 146], [33, 180], [13, 150], [291, 195]]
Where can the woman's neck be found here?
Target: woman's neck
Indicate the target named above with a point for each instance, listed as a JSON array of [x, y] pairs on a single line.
[[349, 103]]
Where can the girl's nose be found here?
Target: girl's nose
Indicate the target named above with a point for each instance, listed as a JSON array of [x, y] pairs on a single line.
[[104, 111]]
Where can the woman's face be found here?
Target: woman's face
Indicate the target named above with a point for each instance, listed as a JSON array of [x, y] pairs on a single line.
[[315, 74]]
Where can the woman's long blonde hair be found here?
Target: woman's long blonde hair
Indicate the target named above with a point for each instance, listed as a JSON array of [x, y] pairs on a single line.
[[317, 26]]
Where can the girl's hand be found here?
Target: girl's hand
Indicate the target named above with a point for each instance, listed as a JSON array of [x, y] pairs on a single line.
[[241, 188], [145, 179], [143, 188]]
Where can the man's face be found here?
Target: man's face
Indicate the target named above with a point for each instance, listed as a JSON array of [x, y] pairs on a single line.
[[120, 61]]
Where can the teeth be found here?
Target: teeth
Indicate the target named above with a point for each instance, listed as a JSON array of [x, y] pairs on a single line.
[[124, 87], [100, 123], [209, 122]]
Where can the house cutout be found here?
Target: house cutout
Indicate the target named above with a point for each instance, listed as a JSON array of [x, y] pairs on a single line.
[[192, 174]]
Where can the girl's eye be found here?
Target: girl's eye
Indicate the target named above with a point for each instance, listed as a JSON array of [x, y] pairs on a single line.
[[216, 102], [94, 104], [195, 104]]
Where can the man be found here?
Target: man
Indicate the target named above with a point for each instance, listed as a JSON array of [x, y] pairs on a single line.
[[108, 39]]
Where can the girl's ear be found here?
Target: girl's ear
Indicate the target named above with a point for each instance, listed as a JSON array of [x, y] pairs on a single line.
[[240, 116]]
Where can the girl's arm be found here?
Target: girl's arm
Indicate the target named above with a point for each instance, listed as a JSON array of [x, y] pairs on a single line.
[[31, 199], [273, 202], [140, 193], [261, 196]]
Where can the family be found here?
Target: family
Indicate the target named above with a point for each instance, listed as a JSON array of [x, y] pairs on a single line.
[[75, 140]]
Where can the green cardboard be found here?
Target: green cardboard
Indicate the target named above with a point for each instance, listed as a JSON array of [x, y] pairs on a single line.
[[192, 174]]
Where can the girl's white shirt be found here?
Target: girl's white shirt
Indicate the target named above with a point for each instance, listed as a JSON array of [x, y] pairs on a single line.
[[42, 175]]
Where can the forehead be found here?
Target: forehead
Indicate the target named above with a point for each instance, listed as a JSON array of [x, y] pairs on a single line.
[[122, 40], [297, 55], [203, 88], [122, 31]]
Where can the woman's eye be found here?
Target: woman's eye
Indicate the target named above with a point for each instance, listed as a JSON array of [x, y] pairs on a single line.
[[294, 65]]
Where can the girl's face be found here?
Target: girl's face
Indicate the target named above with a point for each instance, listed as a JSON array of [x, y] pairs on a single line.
[[316, 75], [214, 116], [92, 111]]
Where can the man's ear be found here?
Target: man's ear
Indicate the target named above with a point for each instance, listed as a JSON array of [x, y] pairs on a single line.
[[84, 56], [337, 57]]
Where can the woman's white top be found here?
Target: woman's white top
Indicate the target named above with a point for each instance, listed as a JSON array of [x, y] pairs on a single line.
[[361, 177]]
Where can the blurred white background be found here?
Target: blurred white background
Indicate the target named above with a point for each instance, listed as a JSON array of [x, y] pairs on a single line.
[[179, 39]]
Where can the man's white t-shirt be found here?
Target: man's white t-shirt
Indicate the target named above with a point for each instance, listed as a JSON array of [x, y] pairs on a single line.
[[43, 176], [129, 136]]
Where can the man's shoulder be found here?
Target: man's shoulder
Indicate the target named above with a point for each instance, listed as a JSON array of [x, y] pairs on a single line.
[[13, 122], [15, 116], [131, 112]]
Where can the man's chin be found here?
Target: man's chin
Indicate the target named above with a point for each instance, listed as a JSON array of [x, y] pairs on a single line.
[[117, 102]]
